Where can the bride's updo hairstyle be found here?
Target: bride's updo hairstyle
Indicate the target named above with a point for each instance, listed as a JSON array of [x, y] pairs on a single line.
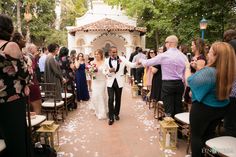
[[100, 52]]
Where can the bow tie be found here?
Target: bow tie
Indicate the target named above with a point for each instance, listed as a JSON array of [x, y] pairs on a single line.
[[114, 59]]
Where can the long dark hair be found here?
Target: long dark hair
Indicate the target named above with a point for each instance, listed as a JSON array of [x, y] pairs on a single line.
[[63, 52], [200, 45]]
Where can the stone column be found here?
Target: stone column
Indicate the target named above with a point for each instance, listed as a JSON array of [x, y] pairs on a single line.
[[129, 49], [71, 41], [143, 41]]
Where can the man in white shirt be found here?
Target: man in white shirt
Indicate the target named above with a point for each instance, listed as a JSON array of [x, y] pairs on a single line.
[[42, 60], [140, 69]]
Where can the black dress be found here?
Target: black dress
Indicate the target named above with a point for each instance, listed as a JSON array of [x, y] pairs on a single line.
[[81, 84], [156, 84]]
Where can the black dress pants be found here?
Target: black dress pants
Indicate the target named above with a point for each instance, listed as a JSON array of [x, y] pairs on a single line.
[[13, 128], [203, 122], [114, 93], [230, 119], [139, 74], [171, 94]]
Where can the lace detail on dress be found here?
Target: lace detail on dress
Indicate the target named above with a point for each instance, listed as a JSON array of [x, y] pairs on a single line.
[[99, 94]]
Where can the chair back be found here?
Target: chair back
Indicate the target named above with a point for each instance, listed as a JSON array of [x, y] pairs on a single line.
[[49, 90], [52, 104]]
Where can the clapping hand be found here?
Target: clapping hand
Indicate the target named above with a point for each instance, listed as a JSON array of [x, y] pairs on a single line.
[[194, 63]]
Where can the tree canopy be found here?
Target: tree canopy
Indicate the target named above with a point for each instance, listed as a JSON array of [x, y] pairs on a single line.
[[42, 24], [160, 17], [180, 17]]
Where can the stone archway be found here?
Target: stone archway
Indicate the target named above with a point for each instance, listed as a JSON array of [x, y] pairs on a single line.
[[106, 40]]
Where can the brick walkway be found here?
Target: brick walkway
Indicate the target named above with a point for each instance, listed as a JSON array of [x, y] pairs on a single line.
[[134, 135]]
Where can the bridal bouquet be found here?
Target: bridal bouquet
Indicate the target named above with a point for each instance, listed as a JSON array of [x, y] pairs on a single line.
[[92, 69]]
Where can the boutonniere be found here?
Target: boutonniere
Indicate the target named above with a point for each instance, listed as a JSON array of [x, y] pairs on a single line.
[[119, 60]]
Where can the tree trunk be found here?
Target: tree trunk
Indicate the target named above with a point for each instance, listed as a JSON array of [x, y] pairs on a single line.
[[18, 16], [157, 39]]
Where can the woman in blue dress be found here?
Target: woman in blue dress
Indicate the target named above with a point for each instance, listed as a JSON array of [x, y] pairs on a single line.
[[80, 78]]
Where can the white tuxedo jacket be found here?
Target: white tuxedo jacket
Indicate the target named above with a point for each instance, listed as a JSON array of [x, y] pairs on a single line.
[[119, 74]]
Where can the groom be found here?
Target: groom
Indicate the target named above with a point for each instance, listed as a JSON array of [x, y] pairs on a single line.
[[115, 66]]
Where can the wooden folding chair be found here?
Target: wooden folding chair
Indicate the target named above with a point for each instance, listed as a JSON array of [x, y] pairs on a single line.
[[182, 120], [159, 111], [51, 104], [224, 146], [67, 97]]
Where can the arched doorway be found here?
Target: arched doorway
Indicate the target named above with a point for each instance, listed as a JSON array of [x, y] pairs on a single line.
[[106, 40], [79, 45]]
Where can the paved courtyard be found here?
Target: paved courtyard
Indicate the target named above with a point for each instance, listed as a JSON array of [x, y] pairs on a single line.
[[134, 135]]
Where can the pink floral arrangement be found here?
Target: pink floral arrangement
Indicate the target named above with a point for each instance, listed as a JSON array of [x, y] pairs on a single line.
[[92, 69]]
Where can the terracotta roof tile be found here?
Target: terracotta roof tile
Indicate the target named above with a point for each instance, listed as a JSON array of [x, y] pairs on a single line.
[[107, 25]]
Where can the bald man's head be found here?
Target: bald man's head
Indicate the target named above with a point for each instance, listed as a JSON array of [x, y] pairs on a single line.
[[171, 41]]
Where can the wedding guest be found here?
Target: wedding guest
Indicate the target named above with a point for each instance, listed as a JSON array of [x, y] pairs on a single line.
[[31, 52], [210, 94], [67, 73], [230, 117], [148, 75], [198, 61], [88, 75], [133, 70], [13, 89], [19, 39], [155, 94], [139, 69], [80, 79], [173, 68], [35, 95], [52, 73], [41, 62]]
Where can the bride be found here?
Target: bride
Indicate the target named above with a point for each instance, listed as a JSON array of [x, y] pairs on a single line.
[[99, 94]]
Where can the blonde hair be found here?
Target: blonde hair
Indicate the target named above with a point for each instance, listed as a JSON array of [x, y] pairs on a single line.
[[225, 68], [100, 52]]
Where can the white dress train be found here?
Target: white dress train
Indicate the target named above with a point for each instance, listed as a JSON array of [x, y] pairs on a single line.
[[99, 94]]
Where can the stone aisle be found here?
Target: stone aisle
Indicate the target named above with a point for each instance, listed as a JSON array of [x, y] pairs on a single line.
[[134, 135]]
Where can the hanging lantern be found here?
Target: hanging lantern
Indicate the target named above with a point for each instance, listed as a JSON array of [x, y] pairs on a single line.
[[168, 133], [27, 16]]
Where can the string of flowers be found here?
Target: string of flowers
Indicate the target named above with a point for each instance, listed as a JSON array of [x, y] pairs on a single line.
[[92, 69]]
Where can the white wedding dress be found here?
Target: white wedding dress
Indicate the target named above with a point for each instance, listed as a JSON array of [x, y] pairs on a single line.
[[99, 94]]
